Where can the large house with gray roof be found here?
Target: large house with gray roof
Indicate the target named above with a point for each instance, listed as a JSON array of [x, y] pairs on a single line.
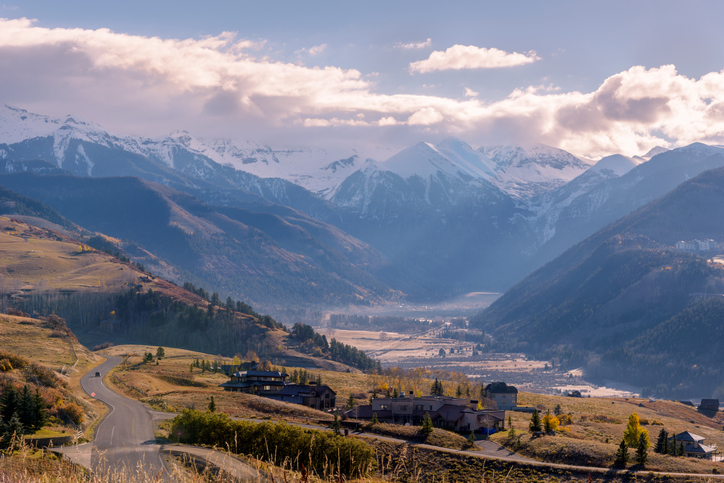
[[694, 446]]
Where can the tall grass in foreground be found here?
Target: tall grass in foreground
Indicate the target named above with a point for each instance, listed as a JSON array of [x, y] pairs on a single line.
[[29, 465], [280, 444]]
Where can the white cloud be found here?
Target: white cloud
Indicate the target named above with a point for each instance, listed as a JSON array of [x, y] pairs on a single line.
[[214, 86], [470, 57], [471, 93], [315, 50], [414, 45]]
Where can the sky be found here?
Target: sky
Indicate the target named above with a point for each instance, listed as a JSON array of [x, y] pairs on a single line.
[[594, 78]]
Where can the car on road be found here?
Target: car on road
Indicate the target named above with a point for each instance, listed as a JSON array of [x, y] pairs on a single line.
[[98, 374]]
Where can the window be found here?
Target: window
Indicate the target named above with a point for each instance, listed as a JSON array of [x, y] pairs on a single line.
[[383, 407], [266, 388]]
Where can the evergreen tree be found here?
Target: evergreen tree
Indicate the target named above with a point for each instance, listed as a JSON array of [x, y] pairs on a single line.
[[621, 457], [9, 402], [459, 391], [336, 425], [681, 451], [212, 405], [557, 410], [26, 409], [641, 450], [160, 353], [41, 412], [471, 438], [427, 424], [374, 418], [535, 423], [662, 442], [351, 402], [673, 447]]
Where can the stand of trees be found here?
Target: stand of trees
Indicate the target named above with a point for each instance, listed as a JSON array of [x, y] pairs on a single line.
[[314, 343]]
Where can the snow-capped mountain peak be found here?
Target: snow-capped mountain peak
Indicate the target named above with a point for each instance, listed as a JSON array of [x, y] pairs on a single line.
[[618, 164]]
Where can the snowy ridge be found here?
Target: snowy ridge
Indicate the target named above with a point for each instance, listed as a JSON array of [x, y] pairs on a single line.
[[527, 171]]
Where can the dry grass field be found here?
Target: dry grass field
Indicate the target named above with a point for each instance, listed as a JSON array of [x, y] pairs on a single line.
[[598, 426], [33, 258], [172, 385], [33, 340]]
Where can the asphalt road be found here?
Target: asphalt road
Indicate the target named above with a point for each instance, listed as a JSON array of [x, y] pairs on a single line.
[[124, 440]]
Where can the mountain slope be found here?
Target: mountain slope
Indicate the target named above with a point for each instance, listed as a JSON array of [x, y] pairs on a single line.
[[217, 250], [595, 199], [620, 284]]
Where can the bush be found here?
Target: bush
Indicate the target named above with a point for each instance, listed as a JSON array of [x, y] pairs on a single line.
[[565, 419], [277, 443]]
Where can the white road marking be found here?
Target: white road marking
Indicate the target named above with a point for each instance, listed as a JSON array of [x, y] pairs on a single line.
[[112, 431]]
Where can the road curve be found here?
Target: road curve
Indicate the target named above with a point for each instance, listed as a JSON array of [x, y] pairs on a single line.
[[124, 440]]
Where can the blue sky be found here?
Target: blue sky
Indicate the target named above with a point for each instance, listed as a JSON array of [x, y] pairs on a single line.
[[590, 77]]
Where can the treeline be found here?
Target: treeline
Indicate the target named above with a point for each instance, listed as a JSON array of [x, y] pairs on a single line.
[[316, 344], [156, 319], [401, 325], [21, 412], [321, 453]]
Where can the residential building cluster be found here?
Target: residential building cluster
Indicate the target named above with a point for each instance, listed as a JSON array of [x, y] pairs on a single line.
[[697, 245]]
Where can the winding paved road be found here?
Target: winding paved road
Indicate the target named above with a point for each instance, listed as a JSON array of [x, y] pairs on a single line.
[[124, 440]]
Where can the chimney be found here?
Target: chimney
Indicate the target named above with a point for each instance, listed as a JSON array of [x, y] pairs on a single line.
[[312, 383], [412, 394], [473, 403]]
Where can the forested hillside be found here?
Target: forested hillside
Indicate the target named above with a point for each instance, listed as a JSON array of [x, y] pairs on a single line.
[[621, 299]]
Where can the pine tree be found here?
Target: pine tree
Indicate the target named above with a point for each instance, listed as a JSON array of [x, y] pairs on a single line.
[[8, 403], [535, 424], [41, 412], [459, 391], [426, 424], [374, 418], [26, 409], [436, 389], [662, 442], [557, 410], [160, 353], [681, 451], [621, 457], [471, 438], [641, 450], [673, 447], [351, 402], [336, 425], [212, 405]]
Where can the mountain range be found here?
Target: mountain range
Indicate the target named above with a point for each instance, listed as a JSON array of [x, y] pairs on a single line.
[[428, 222], [625, 303]]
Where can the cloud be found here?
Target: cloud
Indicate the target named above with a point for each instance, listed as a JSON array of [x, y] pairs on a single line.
[[315, 50], [471, 93], [470, 57], [414, 45], [216, 86]]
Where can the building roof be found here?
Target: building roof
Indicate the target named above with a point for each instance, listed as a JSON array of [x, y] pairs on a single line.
[[302, 389], [364, 411], [500, 388], [260, 374], [710, 403], [690, 437]]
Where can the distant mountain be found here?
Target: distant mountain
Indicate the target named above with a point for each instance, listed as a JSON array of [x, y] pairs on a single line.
[[263, 258], [524, 172], [601, 196], [446, 218], [617, 300]]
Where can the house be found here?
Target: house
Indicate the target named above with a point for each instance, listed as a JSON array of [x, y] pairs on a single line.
[[709, 405], [229, 369], [446, 412], [312, 395], [505, 396], [261, 383], [694, 446]]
